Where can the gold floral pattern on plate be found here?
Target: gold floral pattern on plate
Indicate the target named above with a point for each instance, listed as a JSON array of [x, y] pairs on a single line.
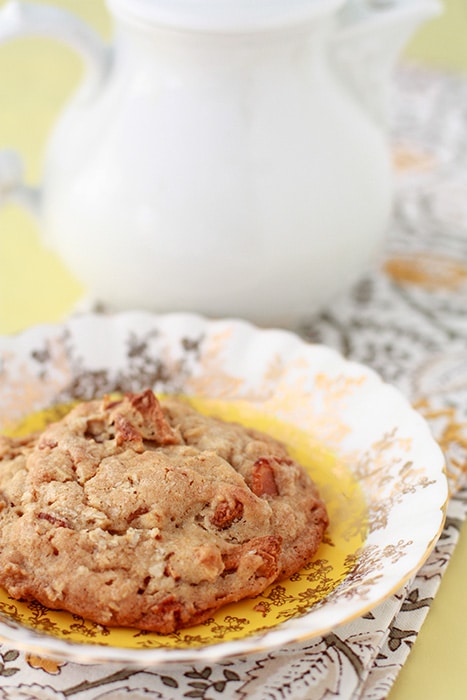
[[373, 456]]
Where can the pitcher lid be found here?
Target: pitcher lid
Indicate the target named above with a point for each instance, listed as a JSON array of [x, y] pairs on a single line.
[[222, 15]]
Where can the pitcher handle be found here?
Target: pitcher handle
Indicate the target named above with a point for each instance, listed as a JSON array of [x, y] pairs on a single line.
[[17, 19], [12, 186]]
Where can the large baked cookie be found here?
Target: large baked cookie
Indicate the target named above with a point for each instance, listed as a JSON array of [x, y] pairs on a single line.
[[145, 514]]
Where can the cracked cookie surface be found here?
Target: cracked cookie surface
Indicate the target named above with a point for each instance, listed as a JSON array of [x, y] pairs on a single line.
[[148, 514]]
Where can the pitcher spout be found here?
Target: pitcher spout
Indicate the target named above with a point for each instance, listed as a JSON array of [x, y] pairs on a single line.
[[370, 37]]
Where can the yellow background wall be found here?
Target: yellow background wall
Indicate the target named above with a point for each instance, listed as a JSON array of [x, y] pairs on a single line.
[[443, 41]]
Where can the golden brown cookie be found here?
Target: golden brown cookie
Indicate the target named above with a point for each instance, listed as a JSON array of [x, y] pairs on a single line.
[[145, 514]]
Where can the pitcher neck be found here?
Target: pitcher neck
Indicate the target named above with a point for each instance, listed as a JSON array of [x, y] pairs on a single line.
[[213, 53], [222, 16]]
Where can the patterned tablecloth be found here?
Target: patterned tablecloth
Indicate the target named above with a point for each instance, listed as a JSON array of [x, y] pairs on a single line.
[[408, 320]]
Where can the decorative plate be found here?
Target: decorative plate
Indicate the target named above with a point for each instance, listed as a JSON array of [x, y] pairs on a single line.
[[372, 456]]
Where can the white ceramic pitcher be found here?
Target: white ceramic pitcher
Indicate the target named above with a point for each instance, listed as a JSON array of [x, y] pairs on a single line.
[[224, 156]]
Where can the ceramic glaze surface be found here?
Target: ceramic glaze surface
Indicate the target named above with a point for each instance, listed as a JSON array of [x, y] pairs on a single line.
[[232, 164]]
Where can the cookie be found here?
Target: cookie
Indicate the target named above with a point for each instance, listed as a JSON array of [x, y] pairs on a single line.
[[147, 514]]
